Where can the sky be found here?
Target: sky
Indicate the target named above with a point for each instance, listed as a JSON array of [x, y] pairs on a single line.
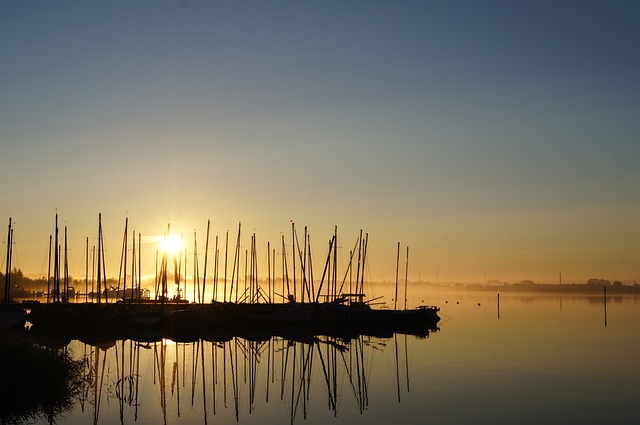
[[498, 140]]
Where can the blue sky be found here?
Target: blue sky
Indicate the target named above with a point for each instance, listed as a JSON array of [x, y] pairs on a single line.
[[499, 140]]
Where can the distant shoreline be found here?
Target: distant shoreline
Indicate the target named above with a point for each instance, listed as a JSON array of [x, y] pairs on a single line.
[[580, 288]]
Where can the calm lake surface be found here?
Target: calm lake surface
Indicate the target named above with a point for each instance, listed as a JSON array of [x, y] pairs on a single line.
[[535, 358]]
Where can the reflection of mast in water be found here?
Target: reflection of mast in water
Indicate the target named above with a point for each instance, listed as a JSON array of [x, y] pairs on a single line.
[[269, 374], [86, 378], [362, 394], [195, 350], [305, 380], [395, 339], [234, 376], [126, 385], [284, 359], [293, 373], [160, 362], [255, 349], [98, 382], [406, 360], [204, 382], [175, 379], [331, 401], [224, 374], [214, 372], [97, 378], [137, 378], [340, 362]]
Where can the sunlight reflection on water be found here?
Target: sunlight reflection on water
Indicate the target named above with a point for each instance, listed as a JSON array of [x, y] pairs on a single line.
[[545, 359]]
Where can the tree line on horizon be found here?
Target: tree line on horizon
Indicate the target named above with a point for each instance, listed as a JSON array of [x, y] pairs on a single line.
[[23, 286], [591, 285]]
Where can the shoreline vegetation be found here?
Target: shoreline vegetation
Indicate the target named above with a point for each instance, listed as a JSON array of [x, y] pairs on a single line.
[[37, 382], [592, 286], [24, 286]]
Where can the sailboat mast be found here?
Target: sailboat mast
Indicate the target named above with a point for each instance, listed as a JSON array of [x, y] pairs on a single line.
[[49, 271], [293, 256], [56, 270], [359, 263], [335, 262], [206, 253], [65, 297], [7, 275], [285, 270], [305, 272], [364, 262], [86, 272], [395, 298], [133, 267], [124, 254], [196, 284], [139, 265], [312, 294], [226, 252], [406, 278], [99, 277], [215, 272], [104, 271], [93, 271]]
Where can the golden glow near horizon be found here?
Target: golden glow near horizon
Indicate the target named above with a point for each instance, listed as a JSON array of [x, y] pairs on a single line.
[[171, 244]]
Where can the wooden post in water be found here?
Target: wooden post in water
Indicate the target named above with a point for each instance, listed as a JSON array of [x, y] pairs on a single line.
[[498, 305], [605, 306]]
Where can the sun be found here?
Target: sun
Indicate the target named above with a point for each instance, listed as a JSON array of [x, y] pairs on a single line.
[[171, 244]]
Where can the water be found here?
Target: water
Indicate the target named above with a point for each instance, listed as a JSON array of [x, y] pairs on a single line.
[[552, 359]]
